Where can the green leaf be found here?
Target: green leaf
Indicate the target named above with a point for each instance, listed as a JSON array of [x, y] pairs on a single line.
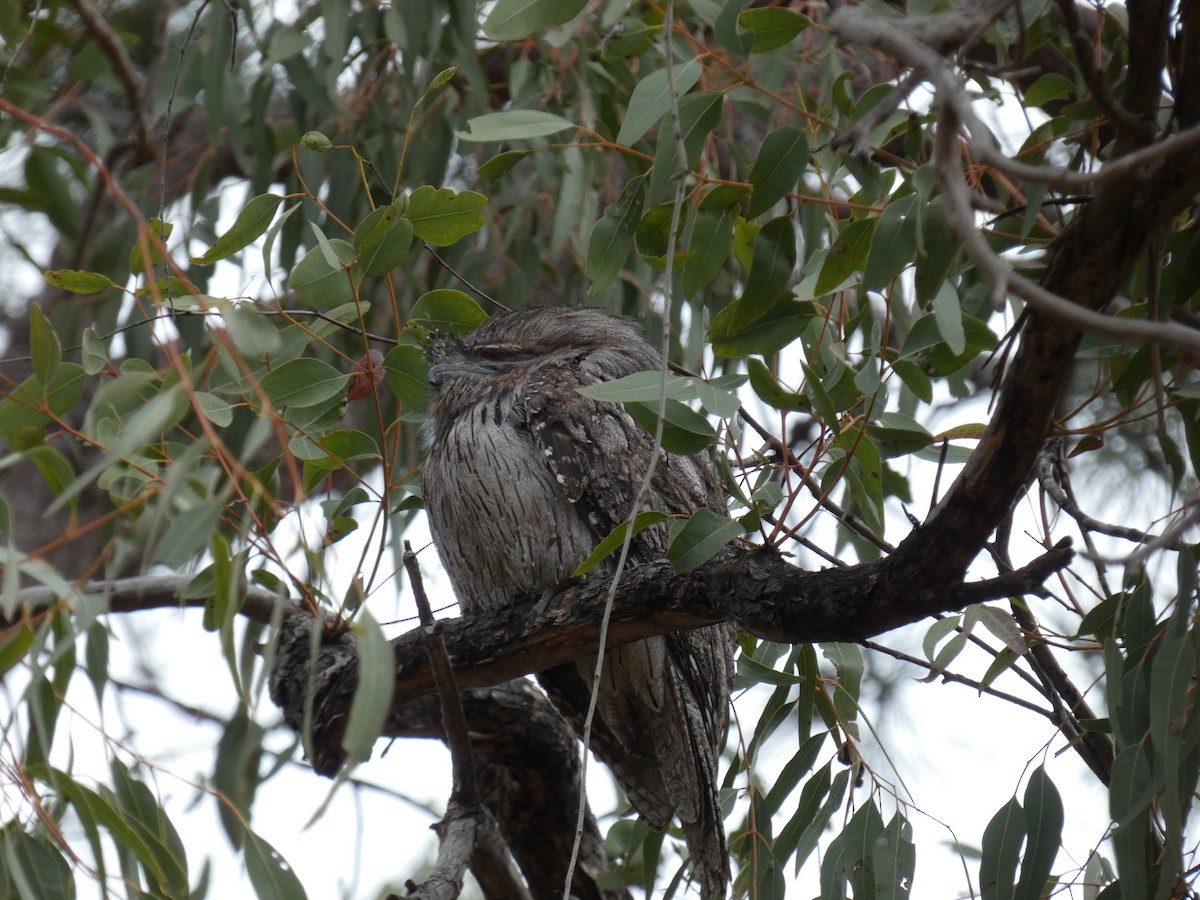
[[304, 382], [214, 408], [775, 326], [699, 114], [771, 269], [926, 336], [78, 282], [653, 233], [448, 310], [270, 874], [315, 141], [612, 236], [894, 246], [616, 539], [511, 20], [317, 283], [700, 538], [190, 533], [373, 693], [251, 222], [513, 125], [407, 372], [95, 358], [896, 434], [43, 345], [236, 773], [948, 314], [14, 648], [142, 809], [849, 857], [336, 448], [894, 860], [847, 255], [272, 233], [1050, 87], [766, 316], [770, 391], [31, 868], [31, 403], [685, 431], [441, 216], [56, 471], [718, 399], [772, 26], [1130, 794], [501, 164], [652, 98], [254, 333], [631, 37], [819, 797], [1044, 824], [155, 227], [1002, 841], [781, 161], [727, 32], [711, 243], [382, 241]]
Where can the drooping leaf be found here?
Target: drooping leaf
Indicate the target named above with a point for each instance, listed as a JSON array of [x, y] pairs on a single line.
[[1043, 824], [270, 874], [253, 220], [781, 161], [373, 693], [612, 237], [652, 98], [847, 255], [1002, 840]]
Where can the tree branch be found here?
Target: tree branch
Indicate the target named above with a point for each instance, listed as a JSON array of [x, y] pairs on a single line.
[[758, 590]]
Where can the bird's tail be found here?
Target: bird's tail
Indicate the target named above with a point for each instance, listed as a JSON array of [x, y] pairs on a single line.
[[691, 731]]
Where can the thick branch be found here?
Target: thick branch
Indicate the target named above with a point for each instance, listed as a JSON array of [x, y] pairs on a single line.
[[759, 591]]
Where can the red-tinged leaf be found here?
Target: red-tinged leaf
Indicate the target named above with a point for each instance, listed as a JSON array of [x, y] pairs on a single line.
[[367, 375]]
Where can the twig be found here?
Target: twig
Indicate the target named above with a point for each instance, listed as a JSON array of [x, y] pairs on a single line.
[[1052, 478], [454, 720], [468, 836], [462, 278], [122, 65], [1094, 78], [142, 592], [857, 25], [954, 678]]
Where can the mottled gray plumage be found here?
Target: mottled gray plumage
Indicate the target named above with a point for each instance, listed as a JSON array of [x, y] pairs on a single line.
[[524, 477]]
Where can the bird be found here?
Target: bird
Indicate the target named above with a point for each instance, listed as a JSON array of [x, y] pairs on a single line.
[[524, 476]]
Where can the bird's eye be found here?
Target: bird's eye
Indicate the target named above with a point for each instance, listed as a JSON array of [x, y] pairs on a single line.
[[500, 351]]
